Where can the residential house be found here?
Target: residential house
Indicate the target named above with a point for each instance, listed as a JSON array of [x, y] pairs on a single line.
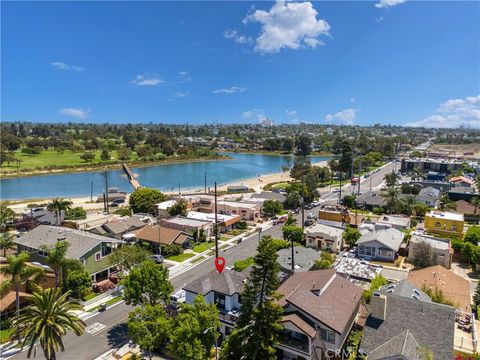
[[304, 259], [188, 225], [247, 211], [163, 208], [436, 278], [370, 200], [441, 247], [320, 308], [270, 195], [463, 193], [159, 236], [238, 188], [38, 216], [114, 193], [470, 212], [225, 222], [324, 237], [379, 243], [401, 324], [395, 221], [428, 196], [461, 181], [444, 223], [91, 249], [223, 290], [119, 227]]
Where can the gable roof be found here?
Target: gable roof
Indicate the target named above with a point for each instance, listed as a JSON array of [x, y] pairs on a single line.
[[404, 344], [228, 282], [390, 238], [161, 235], [300, 323], [406, 289], [123, 225], [431, 324], [80, 242], [453, 286], [322, 294], [465, 207], [461, 179], [324, 229], [269, 195], [429, 192]]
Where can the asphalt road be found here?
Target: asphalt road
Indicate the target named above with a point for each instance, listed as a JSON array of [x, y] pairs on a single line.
[[112, 330]]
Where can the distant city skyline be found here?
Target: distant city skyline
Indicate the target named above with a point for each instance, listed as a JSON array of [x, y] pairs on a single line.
[[393, 62]]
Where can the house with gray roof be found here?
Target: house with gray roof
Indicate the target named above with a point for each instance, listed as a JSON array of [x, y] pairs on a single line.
[[304, 259], [398, 327], [379, 243], [428, 196], [270, 195], [370, 200], [398, 222], [441, 247], [223, 290], [406, 289], [119, 227], [91, 249]]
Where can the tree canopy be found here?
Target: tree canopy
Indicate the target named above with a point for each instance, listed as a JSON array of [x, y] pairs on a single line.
[[143, 200]]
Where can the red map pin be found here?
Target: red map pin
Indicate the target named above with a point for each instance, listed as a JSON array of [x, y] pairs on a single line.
[[220, 264]]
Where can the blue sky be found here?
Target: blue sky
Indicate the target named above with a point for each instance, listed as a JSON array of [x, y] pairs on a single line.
[[343, 62]]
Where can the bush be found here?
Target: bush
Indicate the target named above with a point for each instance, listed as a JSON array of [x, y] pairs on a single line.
[[79, 283], [413, 223], [171, 250], [241, 265], [377, 282], [76, 213], [5, 324], [280, 244], [241, 225], [325, 262], [378, 210]]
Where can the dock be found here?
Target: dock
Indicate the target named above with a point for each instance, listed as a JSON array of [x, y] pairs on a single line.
[[131, 177]]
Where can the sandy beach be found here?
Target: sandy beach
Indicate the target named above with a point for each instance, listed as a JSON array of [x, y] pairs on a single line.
[[256, 183]]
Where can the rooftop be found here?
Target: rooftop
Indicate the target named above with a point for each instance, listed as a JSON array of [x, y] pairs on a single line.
[[324, 229], [434, 242], [228, 282], [162, 235], [237, 204], [165, 205], [391, 238], [445, 215], [221, 218], [80, 242], [357, 268], [185, 221], [304, 258], [322, 294]]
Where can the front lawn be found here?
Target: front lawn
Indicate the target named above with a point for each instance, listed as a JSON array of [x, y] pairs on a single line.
[[90, 296], [109, 303], [201, 247], [180, 257]]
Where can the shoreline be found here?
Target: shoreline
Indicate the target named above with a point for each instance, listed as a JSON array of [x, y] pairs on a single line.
[[256, 183], [116, 166]]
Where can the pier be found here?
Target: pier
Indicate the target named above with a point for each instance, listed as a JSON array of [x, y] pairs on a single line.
[[131, 177]]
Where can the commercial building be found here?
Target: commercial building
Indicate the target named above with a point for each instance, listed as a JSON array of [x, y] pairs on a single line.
[[430, 164], [444, 223]]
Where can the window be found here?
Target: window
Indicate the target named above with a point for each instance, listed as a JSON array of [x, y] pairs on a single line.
[[327, 335], [438, 225], [219, 300], [98, 256], [454, 227]]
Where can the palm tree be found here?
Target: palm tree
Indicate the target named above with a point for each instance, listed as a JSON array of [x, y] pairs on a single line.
[[409, 205], [58, 205], [20, 272], [57, 259], [6, 242], [391, 197], [47, 320]]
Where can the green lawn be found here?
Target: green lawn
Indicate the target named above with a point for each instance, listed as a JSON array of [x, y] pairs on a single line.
[[201, 247], [200, 258], [4, 335], [90, 296], [181, 257], [224, 238], [109, 303]]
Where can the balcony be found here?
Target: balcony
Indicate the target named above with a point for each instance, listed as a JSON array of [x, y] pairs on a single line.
[[296, 344]]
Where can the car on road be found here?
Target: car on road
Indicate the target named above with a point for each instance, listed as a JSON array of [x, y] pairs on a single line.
[[280, 219], [158, 259], [309, 206], [315, 203], [117, 202], [335, 190], [311, 216]]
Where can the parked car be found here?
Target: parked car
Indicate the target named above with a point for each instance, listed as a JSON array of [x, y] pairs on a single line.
[[177, 298], [309, 222], [117, 202], [158, 259], [315, 203], [311, 216], [335, 190], [280, 219]]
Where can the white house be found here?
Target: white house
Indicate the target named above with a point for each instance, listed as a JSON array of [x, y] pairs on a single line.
[[440, 246], [379, 243]]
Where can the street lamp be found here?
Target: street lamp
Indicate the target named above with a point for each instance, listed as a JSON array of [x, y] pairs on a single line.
[[216, 339], [259, 230]]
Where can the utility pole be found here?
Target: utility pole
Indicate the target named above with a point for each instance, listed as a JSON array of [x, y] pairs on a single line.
[[91, 192], [340, 192], [205, 184], [359, 175], [106, 191], [303, 204], [215, 228]]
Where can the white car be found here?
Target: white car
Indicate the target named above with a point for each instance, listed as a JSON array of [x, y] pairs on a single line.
[[311, 216]]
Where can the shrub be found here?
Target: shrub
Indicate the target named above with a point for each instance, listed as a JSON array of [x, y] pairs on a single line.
[[171, 250], [377, 282], [378, 210], [76, 213], [79, 283], [241, 225]]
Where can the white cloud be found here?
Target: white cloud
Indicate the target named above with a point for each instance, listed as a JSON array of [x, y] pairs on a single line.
[[183, 77], [385, 4], [288, 25], [291, 112], [182, 94], [254, 114], [235, 36], [77, 113], [352, 99], [345, 116], [146, 80], [62, 66], [454, 113], [230, 90]]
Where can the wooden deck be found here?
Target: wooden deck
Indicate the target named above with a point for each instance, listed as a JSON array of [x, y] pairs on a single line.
[[131, 177]]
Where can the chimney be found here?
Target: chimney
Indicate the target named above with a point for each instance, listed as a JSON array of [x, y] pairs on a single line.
[[378, 306]]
